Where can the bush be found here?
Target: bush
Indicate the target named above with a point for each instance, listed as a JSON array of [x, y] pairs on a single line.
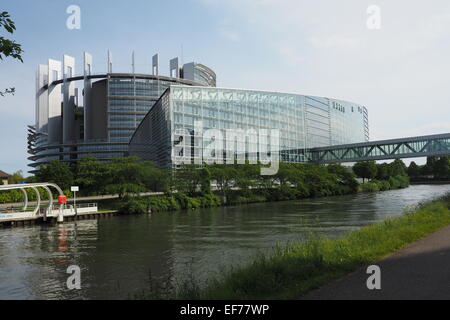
[[372, 186], [182, 201], [398, 182], [282, 194], [210, 200], [253, 198], [395, 182], [192, 203], [133, 206], [243, 184], [158, 204]]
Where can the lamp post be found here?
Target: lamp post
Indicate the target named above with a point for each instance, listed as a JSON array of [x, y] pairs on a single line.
[[75, 189]]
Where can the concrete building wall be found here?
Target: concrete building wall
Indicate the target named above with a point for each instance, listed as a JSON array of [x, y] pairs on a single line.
[[41, 98], [87, 94], [68, 100], [54, 102], [97, 127], [199, 73], [174, 68], [106, 117]]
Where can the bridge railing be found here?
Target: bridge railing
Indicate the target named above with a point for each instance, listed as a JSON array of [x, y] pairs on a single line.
[[436, 145]]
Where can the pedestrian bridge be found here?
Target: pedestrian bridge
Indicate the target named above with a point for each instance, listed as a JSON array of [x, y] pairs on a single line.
[[414, 147], [51, 208]]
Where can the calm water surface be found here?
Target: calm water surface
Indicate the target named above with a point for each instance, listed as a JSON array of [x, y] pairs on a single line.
[[117, 254]]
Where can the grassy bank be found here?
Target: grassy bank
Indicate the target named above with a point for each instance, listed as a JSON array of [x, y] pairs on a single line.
[[293, 271]]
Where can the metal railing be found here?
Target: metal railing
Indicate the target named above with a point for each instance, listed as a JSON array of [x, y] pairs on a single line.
[[435, 145], [67, 206]]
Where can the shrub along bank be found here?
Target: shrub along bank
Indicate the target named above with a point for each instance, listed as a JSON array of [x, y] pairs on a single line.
[[243, 184], [191, 187], [397, 182]]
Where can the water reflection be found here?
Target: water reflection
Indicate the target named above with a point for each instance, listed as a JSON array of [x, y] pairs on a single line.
[[117, 254]]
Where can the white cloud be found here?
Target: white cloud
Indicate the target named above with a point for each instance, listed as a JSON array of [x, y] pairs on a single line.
[[400, 71], [334, 42], [291, 56], [228, 34], [429, 129]]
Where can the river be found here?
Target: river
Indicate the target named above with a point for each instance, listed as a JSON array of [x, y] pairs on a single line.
[[117, 254]]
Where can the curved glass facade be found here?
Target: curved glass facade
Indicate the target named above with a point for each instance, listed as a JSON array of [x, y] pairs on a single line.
[[303, 121]]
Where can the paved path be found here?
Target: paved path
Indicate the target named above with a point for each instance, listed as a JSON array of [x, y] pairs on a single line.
[[420, 271]]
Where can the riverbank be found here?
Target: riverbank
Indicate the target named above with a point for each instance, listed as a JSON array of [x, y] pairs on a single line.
[[312, 189], [430, 182], [293, 271]]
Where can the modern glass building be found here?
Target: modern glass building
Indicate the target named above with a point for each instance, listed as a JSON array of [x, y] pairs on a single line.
[[96, 114], [303, 122], [156, 117]]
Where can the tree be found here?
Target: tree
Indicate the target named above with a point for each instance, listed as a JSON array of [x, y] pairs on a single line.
[[187, 179], [346, 176], [155, 179], [299, 180], [413, 170], [246, 177], [9, 48], [284, 174], [56, 172], [16, 177], [205, 181], [428, 169], [383, 171], [442, 168], [125, 175], [365, 170], [224, 176], [398, 168], [92, 175]]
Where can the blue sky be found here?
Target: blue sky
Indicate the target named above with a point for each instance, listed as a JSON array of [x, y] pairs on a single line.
[[400, 72]]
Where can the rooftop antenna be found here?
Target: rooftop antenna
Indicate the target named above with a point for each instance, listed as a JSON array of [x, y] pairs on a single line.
[[109, 62], [182, 55], [132, 62]]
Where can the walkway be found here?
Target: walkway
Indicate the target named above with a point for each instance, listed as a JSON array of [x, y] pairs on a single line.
[[413, 147], [420, 271]]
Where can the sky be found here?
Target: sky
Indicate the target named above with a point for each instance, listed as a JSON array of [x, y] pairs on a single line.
[[399, 69]]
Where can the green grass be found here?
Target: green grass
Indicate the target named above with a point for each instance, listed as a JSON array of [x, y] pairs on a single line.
[[290, 272]]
